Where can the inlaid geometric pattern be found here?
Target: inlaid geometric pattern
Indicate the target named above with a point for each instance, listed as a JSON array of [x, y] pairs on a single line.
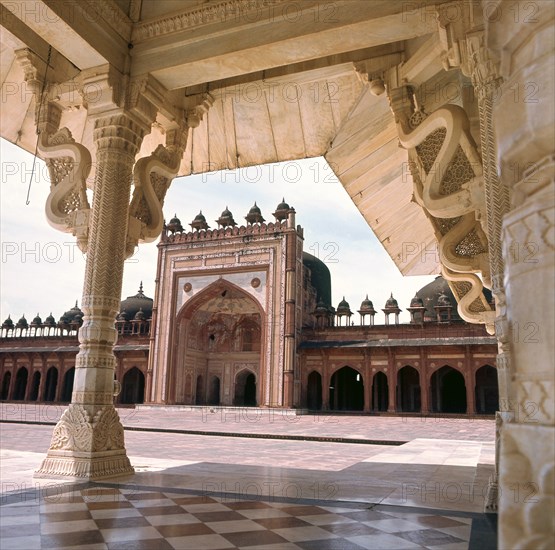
[[138, 518]]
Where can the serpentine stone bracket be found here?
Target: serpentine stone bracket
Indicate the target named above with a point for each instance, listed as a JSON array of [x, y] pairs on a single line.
[[448, 185]]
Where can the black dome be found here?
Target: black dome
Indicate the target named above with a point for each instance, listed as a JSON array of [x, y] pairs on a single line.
[[175, 225], [320, 278], [8, 323], [50, 321], [367, 305], [37, 321], [22, 323], [72, 313], [391, 302], [282, 211], [416, 301], [132, 304]]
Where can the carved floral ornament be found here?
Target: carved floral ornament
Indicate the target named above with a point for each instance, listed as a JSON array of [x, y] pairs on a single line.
[[76, 431]]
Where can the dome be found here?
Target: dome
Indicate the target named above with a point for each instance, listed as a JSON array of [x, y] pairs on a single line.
[[22, 323], [320, 278], [343, 304], [367, 306], [50, 321], [254, 215], [416, 301], [282, 210], [8, 323], [175, 225], [37, 321], [343, 307], [140, 315], [199, 222], [132, 304], [321, 308], [122, 316], [71, 314], [226, 218], [391, 303]]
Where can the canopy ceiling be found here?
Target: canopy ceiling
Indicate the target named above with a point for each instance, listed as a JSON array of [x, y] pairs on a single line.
[[284, 84]]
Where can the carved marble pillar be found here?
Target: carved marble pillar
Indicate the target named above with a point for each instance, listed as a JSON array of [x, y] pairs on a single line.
[[88, 440], [524, 133], [487, 84]]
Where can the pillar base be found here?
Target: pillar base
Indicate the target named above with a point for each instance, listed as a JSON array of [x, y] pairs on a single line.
[[87, 443], [85, 466], [492, 495]]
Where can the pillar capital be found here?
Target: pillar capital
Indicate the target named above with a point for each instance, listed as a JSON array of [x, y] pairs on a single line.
[[118, 131], [481, 67]]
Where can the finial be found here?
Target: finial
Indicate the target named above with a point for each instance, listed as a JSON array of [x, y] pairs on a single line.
[[141, 286]]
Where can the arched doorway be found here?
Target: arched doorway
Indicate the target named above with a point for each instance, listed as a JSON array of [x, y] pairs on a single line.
[[6, 385], [221, 324], [314, 391], [245, 389], [380, 393], [408, 390], [346, 390], [67, 390], [51, 384], [214, 394], [133, 386], [487, 390], [35, 385], [20, 384], [200, 397], [448, 391]]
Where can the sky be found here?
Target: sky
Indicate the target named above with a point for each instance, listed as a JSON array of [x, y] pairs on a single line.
[[42, 270]]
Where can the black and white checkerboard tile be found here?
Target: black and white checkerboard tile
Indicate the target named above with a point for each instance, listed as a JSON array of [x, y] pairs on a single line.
[[119, 517]]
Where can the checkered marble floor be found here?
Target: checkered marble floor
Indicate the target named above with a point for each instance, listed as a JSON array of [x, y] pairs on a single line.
[[100, 516]]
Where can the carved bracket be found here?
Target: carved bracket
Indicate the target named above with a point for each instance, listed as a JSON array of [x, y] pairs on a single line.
[[152, 177], [69, 163], [448, 185]]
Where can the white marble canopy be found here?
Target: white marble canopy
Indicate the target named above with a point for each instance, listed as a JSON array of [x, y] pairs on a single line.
[[287, 81]]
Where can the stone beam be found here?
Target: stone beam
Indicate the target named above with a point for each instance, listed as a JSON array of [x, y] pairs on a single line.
[[78, 30], [180, 58]]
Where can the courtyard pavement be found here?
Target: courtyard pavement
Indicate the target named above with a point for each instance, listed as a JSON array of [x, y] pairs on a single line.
[[199, 491]]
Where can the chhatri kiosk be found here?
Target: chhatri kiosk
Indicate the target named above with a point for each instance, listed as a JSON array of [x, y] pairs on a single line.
[[437, 118]]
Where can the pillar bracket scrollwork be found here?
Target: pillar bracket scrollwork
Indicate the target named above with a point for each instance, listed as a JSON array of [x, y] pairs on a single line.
[[69, 163], [448, 185]]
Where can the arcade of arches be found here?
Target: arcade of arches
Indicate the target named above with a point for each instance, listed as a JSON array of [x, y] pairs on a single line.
[[444, 391], [214, 341]]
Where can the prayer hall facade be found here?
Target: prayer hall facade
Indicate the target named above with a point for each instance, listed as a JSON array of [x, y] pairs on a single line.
[[437, 118], [242, 316]]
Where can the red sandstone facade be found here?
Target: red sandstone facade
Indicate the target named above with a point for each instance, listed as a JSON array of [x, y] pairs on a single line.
[[243, 317]]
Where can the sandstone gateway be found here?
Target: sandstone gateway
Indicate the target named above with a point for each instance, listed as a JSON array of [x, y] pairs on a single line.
[[437, 118]]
